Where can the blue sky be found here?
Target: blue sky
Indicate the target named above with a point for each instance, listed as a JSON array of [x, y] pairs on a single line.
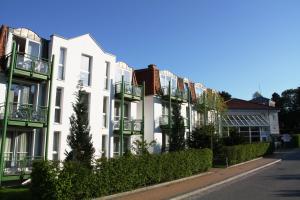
[[236, 46]]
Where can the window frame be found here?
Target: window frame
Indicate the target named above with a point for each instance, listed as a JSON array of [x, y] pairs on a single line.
[[58, 107], [105, 112], [61, 65], [56, 152], [89, 72], [106, 75]]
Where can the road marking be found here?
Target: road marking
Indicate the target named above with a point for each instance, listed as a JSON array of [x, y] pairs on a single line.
[[187, 195]]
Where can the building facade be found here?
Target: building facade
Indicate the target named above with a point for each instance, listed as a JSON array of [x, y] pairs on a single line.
[[39, 78], [255, 121]]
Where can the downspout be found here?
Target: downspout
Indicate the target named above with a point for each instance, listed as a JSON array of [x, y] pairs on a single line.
[[50, 85], [122, 117]]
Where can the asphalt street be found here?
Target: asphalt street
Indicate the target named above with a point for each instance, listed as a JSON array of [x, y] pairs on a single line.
[[279, 182]]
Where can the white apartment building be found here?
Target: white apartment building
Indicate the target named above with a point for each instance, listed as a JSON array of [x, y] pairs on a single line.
[[38, 80]]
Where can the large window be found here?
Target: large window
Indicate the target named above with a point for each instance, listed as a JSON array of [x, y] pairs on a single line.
[[106, 76], [104, 113], [33, 49], [58, 102], [61, 64], [117, 110], [85, 70], [56, 145]]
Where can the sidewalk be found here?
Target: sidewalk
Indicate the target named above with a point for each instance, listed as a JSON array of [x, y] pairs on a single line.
[[178, 188]]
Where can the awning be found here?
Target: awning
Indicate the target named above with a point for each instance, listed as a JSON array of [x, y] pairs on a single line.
[[244, 121]]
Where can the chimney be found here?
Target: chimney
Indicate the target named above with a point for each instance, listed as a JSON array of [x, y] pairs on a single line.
[[152, 66]]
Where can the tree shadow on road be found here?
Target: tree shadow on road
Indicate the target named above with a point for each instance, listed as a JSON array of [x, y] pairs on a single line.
[[288, 193]]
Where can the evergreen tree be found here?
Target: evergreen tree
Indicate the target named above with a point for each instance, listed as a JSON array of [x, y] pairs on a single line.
[[225, 95], [176, 136], [79, 139]]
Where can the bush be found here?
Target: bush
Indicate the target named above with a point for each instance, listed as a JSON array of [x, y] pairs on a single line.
[[296, 140], [74, 181], [241, 153]]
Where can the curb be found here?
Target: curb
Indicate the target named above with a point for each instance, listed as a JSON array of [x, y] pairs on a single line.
[[245, 162], [151, 187], [184, 196]]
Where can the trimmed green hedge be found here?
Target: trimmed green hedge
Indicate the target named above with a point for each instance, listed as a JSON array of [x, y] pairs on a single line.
[[244, 152], [296, 140], [73, 181]]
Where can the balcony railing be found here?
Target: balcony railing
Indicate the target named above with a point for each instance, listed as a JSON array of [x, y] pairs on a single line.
[[129, 125], [164, 119], [25, 112], [17, 163], [129, 89], [29, 63], [175, 93]]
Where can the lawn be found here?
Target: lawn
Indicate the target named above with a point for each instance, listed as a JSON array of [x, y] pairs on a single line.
[[13, 193]]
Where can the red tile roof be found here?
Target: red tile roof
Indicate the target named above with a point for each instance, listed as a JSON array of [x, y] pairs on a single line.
[[247, 105]]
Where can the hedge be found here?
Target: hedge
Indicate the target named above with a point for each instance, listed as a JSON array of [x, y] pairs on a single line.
[[241, 153], [296, 140], [69, 180]]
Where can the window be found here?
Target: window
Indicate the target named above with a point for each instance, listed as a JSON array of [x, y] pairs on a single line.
[[61, 64], [104, 142], [117, 110], [86, 100], [106, 76], [56, 145], [33, 49], [85, 70], [186, 87], [116, 146], [57, 114], [104, 113]]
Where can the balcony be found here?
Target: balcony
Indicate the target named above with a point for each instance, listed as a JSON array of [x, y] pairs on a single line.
[[17, 163], [131, 92], [176, 95], [164, 119], [31, 67], [131, 127], [25, 115]]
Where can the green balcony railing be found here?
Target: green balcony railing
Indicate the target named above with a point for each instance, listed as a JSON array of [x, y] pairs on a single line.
[[129, 125], [129, 89], [26, 62], [27, 112], [164, 119], [16, 163], [182, 95]]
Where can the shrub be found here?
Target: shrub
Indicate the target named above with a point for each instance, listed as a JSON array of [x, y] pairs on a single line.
[[241, 153], [296, 140], [75, 181]]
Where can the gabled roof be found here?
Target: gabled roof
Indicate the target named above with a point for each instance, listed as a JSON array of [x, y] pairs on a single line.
[[86, 35], [246, 105]]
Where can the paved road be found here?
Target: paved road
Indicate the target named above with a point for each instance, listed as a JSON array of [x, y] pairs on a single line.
[[280, 181]]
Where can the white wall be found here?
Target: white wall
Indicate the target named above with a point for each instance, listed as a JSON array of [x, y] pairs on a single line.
[[75, 47], [274, 123]]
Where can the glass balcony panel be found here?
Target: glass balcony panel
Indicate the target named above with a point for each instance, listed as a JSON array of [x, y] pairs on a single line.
[[27, 112], [16, 163], [28, 63], [41, 67]]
